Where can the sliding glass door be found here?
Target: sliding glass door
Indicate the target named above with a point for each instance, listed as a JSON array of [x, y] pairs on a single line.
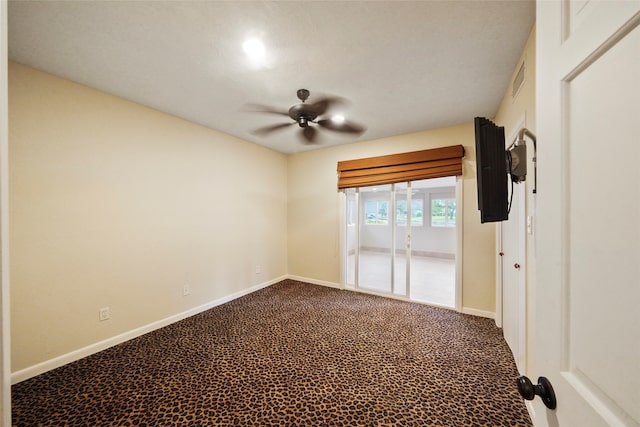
[[401, 240], [375, 263], [434, 242]]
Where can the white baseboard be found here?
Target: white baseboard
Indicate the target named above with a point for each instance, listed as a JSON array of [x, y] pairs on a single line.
[[465, 310], [480, 313], [64, 359], [314, 281]]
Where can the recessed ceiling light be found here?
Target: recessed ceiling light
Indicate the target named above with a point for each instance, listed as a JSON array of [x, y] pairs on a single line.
[[254, 48]]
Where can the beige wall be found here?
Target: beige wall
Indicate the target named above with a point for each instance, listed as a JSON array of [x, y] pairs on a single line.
[[114, 204], [510, 114], [314, 217]]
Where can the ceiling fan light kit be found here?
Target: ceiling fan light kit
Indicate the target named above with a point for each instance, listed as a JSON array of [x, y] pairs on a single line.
[[305, 114]]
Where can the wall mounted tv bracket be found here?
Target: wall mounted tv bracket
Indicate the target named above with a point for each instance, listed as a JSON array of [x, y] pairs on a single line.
[[517, 158]]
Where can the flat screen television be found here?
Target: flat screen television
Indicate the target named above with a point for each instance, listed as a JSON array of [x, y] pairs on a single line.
[[491, 168]]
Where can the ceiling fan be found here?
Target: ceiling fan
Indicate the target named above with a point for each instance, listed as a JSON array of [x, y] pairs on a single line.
[[305, 114]]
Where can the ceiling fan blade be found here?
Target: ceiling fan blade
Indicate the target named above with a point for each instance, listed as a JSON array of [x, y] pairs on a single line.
[[260, 108], [323, 104], [346, 127], [268, 129], [309, 134]]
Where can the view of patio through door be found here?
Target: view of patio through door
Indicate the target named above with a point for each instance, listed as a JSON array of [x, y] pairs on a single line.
[[401, 240]]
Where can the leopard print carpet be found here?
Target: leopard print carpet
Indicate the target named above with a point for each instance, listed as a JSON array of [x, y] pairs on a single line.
[[292, 354]]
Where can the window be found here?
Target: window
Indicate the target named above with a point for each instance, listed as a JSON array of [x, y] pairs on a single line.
[[376, 212], [443, 212], [417, 208]]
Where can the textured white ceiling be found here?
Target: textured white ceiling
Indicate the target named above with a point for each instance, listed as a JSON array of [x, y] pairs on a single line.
[[404, 66]]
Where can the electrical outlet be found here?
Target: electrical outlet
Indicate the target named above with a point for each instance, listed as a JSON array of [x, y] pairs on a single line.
[[104, 313], [186, 290], [258, 269]]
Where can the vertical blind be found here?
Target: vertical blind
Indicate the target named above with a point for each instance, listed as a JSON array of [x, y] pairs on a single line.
[[412, 166]]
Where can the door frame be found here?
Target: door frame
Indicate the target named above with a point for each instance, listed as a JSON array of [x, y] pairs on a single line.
[[5, 330], [459, 241]]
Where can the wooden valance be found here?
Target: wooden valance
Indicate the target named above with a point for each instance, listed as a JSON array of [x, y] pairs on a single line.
[[412, 166]]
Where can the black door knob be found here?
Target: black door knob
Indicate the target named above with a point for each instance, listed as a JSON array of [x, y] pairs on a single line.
[[542, 389]]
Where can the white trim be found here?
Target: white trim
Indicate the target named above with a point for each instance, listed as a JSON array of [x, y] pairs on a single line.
[[459, 241], [356, 241], [465, 310], [394, 229], [407, 238], [479, 313], [470, 311], [5, 312], [75, 355], [391, 296], [314, 281], [521, 361], [499, 275], [342, 235]]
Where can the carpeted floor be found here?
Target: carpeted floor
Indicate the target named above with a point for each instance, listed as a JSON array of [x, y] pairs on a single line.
[[292, 354]]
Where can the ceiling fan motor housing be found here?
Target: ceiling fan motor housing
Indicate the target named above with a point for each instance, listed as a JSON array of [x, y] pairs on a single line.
[[302, 114]]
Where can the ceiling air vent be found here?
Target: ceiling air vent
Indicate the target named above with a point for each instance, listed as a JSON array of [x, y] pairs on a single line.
[[518, 81]]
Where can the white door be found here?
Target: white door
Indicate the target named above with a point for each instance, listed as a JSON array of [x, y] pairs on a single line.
[[513, 277], [588, 212]]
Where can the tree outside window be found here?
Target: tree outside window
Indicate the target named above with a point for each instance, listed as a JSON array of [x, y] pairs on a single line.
[[376, 212], [417, 207], [443, 212]]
